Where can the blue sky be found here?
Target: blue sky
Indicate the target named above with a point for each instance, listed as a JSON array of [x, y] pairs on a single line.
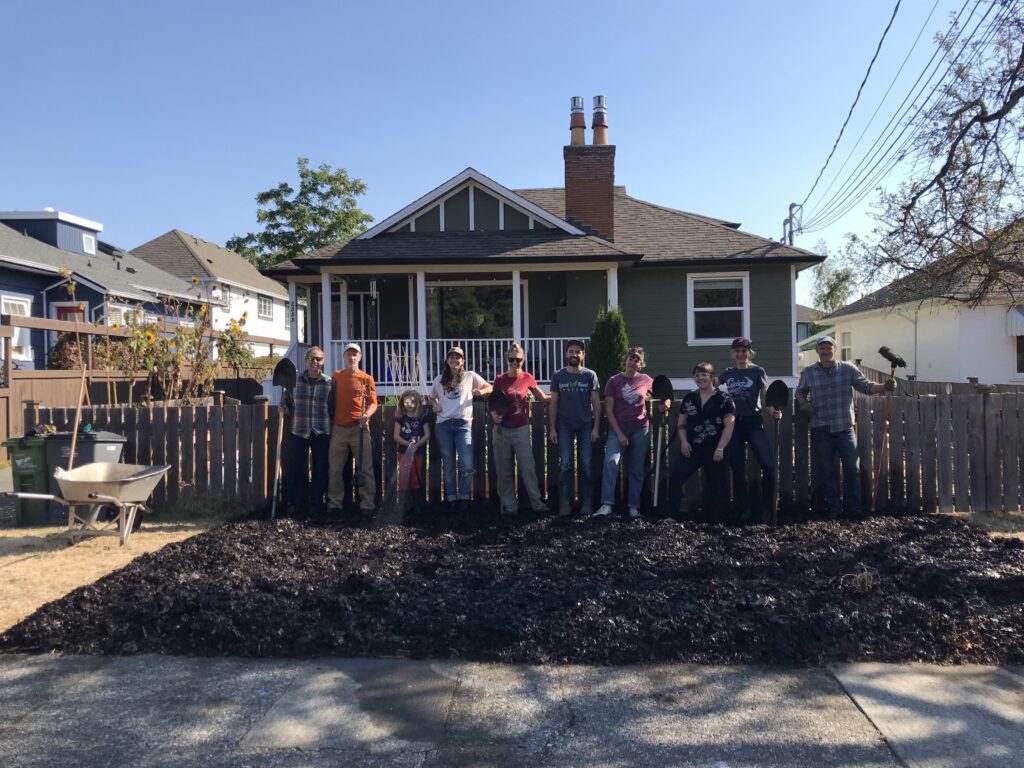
[[151, 116]]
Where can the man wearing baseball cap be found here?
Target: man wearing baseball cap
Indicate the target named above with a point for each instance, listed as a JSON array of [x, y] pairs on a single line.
[[825, 395], [355, 403]]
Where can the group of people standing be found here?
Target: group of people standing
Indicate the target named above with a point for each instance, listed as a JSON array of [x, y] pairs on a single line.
[[330, 417]]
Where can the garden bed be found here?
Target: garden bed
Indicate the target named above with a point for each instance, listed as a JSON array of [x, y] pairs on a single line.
[[552, 590]]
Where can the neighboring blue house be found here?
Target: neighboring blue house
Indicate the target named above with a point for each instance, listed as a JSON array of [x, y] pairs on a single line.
[[111, 284]]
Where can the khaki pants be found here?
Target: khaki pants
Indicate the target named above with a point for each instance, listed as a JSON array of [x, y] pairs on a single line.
[[345, 443], [512, 444]]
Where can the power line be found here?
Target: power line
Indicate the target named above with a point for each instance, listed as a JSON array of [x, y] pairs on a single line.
[[855, 100]]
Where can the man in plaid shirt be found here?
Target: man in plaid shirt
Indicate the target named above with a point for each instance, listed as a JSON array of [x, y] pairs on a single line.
[[825, 395], [310, 406]]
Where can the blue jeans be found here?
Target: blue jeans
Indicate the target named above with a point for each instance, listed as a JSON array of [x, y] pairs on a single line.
[[567, 437], [637, 450], [750, 430], [455, 436], [826, 446], [296, 479]]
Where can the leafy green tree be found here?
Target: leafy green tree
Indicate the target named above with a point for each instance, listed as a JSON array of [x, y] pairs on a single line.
[[609, 344], [323, 211]]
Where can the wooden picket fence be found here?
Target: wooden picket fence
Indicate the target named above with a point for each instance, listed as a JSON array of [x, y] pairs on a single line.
[[941, 453]]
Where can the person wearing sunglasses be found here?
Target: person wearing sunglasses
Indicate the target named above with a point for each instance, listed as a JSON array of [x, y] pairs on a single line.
[[310, 405], [512, 434]]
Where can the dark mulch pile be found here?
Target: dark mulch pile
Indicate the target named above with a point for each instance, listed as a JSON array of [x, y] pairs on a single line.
[[550, 590]]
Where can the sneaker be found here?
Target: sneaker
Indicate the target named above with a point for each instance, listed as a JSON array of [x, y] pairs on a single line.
[[634, 512], [603, 511]]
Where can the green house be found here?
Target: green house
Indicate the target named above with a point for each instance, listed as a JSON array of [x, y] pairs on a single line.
[[476, 264]]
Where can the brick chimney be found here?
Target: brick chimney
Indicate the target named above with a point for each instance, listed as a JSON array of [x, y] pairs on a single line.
[[590, 171]]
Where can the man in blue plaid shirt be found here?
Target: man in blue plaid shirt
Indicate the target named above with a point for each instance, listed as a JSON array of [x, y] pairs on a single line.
[[310, 406], [825, 395]]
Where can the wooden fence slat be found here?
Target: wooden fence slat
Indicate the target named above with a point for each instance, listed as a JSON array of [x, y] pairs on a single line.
[[261, 451], [144, 424], [158, 443], [1010, 452], [880, 452], [538, 444], [202, 449], [801, 463], [862, 408], [597, 468], [480, 449], [229, 442], [173, 448], [897, 452], [389, 455], [976, 442], [961, 450], [944, 450], [215, 425], [912, 450], [929, 492], [550, 484], [186, 430], [376, 438], [786, 460], [245, 437], [993, 450]]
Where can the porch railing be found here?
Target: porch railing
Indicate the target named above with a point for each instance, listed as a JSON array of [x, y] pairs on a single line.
[[395, 363]]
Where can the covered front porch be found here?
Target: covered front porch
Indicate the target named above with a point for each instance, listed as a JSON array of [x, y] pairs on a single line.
[[406, 321]]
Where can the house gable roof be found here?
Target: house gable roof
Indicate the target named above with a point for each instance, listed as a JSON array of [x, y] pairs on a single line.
[[469, 175], [188, 256], [111, 270]]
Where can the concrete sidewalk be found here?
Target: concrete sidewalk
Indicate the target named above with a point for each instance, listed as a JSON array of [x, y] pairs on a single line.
[[167, 711]]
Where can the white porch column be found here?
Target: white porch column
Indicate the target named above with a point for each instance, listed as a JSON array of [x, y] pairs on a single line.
[[613, 288], [343, 329], [327, 320], [293, 312], [412, 303], [517, 307], [421, 325]]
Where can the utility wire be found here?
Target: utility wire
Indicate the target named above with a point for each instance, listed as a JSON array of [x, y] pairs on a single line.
[[855, 100]]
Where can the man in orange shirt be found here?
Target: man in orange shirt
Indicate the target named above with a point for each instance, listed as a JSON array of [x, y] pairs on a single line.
[[355, 403]]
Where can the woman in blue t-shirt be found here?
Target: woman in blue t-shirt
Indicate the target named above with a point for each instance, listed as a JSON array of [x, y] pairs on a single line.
[[746, 383]]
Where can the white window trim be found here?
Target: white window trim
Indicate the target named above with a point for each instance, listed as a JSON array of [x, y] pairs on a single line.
[[26, 333], [260, 298], [89, 244], [691, 310]]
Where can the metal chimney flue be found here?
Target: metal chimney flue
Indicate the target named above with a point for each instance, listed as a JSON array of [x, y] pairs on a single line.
[[600, 122], [577, 122]]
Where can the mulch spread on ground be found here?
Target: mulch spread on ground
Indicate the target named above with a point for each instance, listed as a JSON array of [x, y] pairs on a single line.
[[554, 590]]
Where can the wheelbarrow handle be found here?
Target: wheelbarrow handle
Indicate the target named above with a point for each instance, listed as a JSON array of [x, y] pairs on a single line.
[[37, 496]]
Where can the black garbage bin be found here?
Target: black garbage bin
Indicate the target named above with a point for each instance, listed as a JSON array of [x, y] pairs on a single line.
[[90, 447]]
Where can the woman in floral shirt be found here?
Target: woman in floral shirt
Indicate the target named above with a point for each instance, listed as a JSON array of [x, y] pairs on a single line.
[[706, 420]]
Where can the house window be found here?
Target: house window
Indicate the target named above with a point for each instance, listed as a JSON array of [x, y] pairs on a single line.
[[20, 346], [225, 296], [845, 345], [89, 244], [265, 308], [719, 307], [1020, 354], [288, 316], [73, 313]]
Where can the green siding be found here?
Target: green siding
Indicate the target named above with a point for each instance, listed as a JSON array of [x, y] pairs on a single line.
[[565, 303], [429, 221], [394, 307], [653, 302], [406, 228], [515, 219], [456, 212], [485, 211]]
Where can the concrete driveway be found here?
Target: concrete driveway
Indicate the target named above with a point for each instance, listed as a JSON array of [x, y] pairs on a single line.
[[165, 711]]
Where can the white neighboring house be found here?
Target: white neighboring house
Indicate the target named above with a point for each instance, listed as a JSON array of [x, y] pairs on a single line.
[[231, 284], [941, 339]]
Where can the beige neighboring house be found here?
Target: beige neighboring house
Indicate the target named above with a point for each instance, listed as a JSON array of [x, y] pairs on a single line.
[[231, 285], [940, 338]]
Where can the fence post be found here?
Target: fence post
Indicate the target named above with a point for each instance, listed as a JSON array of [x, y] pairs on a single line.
[[218, 397], [31, 413]]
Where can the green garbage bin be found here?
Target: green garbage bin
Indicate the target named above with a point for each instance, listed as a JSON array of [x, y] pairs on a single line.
[[90, 447], [30, 473]]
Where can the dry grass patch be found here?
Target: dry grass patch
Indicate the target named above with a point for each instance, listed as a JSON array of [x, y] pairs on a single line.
[[37, 565]]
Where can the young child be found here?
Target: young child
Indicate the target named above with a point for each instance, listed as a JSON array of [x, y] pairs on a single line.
[[411, 434]]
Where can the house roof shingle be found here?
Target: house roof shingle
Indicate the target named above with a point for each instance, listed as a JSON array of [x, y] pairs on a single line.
[[188, 256], [116, 271]]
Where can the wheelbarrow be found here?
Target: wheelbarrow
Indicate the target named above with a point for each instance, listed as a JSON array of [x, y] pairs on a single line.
[[121, 488]]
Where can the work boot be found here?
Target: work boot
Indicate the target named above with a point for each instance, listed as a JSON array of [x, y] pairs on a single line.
[[564, 500], [586, 499]]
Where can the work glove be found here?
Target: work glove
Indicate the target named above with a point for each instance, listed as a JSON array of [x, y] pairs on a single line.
[[890, 385], [806, 409]]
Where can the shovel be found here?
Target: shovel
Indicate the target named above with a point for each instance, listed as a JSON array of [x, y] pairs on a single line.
[[285, 377], [776, 397], [661, 389]]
